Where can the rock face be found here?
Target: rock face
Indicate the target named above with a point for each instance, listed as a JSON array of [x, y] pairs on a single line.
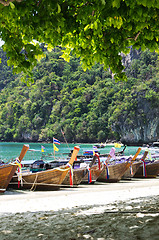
[[140, 127], [140, 124], [127, 59], [140, 134]]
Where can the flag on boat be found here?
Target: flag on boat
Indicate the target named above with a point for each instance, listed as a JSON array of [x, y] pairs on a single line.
[[55, 148], [117, 145], [55, 141], [94, 148], [112, 152], [42, 149]]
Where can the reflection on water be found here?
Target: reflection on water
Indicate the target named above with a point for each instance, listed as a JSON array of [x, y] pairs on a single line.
[[136, 219]]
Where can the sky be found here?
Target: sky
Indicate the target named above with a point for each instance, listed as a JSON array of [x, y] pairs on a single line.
[[1, 42]]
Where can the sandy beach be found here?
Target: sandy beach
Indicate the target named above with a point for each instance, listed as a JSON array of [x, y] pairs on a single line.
[[18, 201]]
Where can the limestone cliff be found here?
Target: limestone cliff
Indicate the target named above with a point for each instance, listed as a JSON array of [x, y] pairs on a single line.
[[140, 124]]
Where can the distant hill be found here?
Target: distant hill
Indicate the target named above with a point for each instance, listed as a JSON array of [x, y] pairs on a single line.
[[88, 106]]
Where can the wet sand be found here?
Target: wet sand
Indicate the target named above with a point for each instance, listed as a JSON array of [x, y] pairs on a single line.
[[18, 201]]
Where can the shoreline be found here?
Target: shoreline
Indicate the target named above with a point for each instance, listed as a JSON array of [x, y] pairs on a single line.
[[20, 201], [111, 143]]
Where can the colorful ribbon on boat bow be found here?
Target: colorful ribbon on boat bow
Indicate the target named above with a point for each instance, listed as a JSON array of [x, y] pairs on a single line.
[[112, 153], [89, 175], [71, 174], [150, 155], [107, 170], [144, 168], [131, 169], [19, 174], [131, 165], [97, 155]]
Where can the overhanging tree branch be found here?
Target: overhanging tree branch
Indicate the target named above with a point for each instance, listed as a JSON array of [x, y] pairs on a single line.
[[95, 31], [6, 3]]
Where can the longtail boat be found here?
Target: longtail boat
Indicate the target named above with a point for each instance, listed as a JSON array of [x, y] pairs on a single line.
[[50, 179], [85, 171], [93, 170], [114, 170], [77, 176], [7, 170], [92, 174], [130, 172], [134, 166], [149, 168]]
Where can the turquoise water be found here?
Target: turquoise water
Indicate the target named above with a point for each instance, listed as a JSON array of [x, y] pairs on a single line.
[[9, 151]]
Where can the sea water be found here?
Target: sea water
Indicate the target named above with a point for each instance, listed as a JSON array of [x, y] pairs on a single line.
[[10, 150]]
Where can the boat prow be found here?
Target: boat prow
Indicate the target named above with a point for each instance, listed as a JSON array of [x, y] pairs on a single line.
[[7, 170]]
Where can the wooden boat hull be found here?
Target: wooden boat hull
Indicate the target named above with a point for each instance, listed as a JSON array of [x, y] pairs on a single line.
[[116, 171], [45, 180], [6, 173], [152, 170], [129, 174], [78, 175], [95, 173]]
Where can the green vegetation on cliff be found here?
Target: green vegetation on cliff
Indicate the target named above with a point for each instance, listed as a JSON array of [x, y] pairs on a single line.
[[88, 106]]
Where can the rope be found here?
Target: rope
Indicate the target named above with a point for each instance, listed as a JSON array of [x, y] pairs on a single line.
[[16, 162], [44, 184], [59, 169], [33, 186]]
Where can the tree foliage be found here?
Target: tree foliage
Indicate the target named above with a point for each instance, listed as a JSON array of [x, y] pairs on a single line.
[[96, 30]]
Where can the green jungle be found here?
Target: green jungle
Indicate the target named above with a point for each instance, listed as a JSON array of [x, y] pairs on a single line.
[[88, 106]]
